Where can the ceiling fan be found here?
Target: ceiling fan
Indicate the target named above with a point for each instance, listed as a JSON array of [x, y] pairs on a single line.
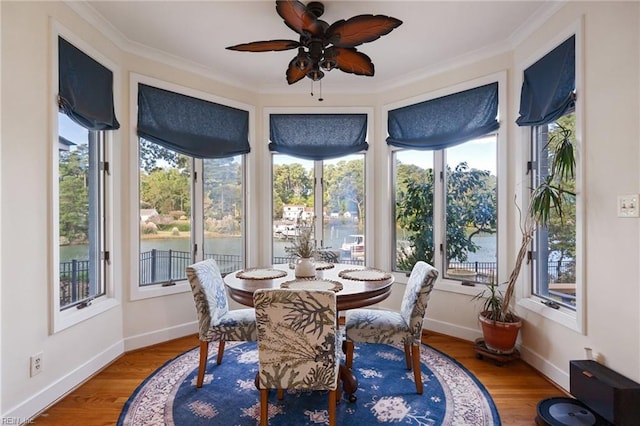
[[323, 46]]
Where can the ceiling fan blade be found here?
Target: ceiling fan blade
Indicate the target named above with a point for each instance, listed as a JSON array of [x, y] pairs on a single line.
[[299, 18], [350, 60], [360, 29], [295, 74], [265, 46]]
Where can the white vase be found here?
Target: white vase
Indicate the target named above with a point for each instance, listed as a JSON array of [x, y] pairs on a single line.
[[305, 267]]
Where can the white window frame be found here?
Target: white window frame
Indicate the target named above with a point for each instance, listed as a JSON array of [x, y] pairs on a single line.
[[137, 292], [446, 284], [61, 320], [572, 319], [266, 253]]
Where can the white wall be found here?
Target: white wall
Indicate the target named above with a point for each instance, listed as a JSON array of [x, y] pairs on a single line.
[[611, 163]]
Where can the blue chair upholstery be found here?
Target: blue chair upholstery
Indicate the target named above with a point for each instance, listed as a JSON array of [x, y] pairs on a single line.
[[297, 344], [216, 321], [391, 327]]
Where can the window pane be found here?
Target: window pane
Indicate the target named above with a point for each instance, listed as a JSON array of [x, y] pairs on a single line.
[[471, 211], [344, 208], [555, 245], [81, 211], [414, 184], [165, 214], [292, 199], [223, 212]]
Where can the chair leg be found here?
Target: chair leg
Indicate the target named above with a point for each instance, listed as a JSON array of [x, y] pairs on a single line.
[[349, 353], [332, 406], [220, 352], [417, 373], [204, 352], [264, 407], [407, 356], [280, 394]]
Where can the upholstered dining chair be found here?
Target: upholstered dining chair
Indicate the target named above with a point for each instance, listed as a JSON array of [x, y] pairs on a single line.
[[216, 321], [391, 327], [297, 345]]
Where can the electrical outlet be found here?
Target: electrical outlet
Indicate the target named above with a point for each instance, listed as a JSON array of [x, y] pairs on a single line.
[[628, 206], [36, 363]]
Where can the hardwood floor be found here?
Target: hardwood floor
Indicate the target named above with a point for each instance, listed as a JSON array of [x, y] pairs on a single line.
[[515, 387]]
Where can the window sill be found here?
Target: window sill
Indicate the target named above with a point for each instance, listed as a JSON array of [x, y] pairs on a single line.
[[72, 316], [562, 316], [157, 290], [454, 286]]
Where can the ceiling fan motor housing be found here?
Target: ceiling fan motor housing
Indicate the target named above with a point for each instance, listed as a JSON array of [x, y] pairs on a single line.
[[316, 8]]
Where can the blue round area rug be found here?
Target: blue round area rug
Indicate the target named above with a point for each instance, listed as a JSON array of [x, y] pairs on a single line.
[[386, 393]]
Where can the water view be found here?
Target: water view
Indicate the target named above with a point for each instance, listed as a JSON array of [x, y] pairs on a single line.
[[336, 235]]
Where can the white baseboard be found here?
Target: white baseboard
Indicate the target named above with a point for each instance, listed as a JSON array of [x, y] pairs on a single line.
[[452, 330], [552, 372], [159, 336], [544, 367], [26, 411]]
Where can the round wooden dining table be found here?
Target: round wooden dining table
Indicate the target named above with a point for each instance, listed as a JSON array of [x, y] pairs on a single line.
[[355, 287], [353, 294]]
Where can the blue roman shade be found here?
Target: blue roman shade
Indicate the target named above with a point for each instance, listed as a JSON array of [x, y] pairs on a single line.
[[318, 136], [191, 126], [447, 121], [548, 86], [85, 89]]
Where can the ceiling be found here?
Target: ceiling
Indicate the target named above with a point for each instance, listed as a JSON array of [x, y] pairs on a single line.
[[434, 36]]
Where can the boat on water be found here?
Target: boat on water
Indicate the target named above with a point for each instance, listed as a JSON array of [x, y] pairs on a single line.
[[353, 247], [285, 231]]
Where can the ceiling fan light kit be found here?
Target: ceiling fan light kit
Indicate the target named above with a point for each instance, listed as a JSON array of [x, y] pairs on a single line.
[[323, 46]]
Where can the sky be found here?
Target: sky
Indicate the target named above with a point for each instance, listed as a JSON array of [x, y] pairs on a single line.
[[72, 131]]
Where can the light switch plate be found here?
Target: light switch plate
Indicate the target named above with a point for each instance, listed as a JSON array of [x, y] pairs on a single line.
[[628, 205]]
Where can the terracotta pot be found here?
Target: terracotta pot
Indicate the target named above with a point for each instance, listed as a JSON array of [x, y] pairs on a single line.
[[305, 268], [500, 337]]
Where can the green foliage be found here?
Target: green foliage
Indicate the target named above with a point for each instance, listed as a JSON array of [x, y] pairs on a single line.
[[148, 228], [470, 203], [552, 204], [222, 188], [74, 195], [556, 190], [166, 190], [344, 187], [493, 299], [153, 156], [292, 184]]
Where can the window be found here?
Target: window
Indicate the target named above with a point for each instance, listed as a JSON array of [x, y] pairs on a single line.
[[191, 174], [549, 105], [168, 213], [81, 183], [466, 193], [340, 212], [554, 251], [318, 169], [445, 178], [81, 203], [223, 208], [165, 214]]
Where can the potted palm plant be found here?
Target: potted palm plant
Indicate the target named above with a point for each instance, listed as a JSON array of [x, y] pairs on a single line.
[[500, 325]]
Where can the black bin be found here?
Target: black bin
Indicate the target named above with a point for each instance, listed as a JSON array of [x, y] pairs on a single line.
[[615, 397]]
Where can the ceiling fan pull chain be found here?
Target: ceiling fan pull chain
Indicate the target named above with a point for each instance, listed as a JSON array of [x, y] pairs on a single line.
[[320, 99]]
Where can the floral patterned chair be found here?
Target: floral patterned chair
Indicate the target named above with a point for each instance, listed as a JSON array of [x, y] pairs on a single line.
[[390, 327], [297, 347], [216, 321]]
